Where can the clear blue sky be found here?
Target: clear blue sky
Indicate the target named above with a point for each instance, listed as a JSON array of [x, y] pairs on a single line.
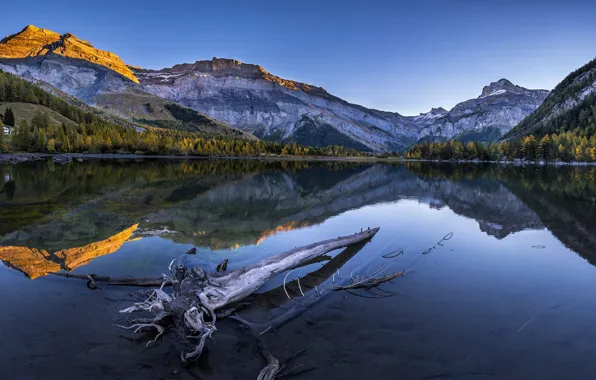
[[390, 55]]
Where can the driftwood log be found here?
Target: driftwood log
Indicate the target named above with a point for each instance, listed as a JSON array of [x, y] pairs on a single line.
[[198, 299]]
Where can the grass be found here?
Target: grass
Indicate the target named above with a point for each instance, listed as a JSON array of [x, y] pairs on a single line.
[[135, 105], [27, 111]]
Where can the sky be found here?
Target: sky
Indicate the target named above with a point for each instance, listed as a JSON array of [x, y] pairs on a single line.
[[402, 56]]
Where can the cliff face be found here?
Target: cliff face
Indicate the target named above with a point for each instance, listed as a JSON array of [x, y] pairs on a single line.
[[37, 42], [252, 99]]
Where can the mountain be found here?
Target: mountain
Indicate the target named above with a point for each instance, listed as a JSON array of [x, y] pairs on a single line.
[[34, 42], [248, 97], [499, 108], [74, 70], [272, 108], [571, 105]]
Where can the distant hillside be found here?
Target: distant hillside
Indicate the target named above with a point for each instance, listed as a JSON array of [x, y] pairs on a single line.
[[26, 111], [149, 110], [29, 98], [571, 106]]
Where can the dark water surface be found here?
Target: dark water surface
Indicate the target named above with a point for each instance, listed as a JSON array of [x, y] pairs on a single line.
[[512, 294]]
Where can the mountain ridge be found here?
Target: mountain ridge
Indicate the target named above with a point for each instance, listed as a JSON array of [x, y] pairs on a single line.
[[248, 97]]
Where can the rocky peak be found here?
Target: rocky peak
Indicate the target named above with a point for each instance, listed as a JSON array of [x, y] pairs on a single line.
[[222, 67], [34, 42], [438, 111], [434, 113], [500, 87]]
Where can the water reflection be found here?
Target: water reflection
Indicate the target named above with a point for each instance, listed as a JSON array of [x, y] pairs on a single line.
[[61, 217], [34, 262], [486, 302]]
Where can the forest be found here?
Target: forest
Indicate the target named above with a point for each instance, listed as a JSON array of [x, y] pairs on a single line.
[[568, 146]]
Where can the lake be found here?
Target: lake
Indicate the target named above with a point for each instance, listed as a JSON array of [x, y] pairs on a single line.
[[499, 262]]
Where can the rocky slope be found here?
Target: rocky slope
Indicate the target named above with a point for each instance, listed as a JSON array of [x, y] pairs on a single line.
[[562, 108], [499, 108], [248, 97]]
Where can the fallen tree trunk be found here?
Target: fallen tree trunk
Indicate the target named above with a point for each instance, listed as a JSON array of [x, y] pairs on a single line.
[[198, 298], [223, 289]]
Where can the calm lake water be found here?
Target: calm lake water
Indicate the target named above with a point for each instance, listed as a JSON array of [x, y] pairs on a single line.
[[511, 295]]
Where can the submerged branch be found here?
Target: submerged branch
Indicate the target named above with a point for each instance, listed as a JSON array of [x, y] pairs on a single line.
[[119, 281]]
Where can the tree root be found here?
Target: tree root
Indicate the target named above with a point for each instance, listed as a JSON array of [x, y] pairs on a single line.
[[197, 297], [272, 369]]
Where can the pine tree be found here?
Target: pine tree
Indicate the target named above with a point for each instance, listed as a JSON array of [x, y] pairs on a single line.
[[42, 141], [51, 146], [9, 117], [2, 142], [23, 138]]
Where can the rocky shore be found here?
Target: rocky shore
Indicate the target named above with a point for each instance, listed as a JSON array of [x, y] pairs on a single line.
[[16, 158]]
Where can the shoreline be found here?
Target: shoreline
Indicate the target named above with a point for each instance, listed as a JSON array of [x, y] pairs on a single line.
[[67, 157], [15, 158], [516, 162]]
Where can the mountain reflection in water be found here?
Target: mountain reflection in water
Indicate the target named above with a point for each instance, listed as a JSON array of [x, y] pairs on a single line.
[[61, 217], [509, 296]]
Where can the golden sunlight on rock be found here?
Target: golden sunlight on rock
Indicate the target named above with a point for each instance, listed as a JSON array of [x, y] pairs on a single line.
[[289, 226], [34, 42]]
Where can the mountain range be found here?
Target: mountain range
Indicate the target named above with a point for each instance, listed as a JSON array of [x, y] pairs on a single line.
[[247, 97]]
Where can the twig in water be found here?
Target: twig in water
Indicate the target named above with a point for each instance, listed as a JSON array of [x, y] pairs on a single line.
[[285, 278], [394, 254], [526, 324]]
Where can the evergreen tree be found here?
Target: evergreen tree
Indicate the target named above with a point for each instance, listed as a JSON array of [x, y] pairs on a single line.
[[2, 140], [23, 138], [9, 117]]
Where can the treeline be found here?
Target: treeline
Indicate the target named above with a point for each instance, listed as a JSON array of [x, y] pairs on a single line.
[[188, 114], [104, 137], [567, 146], [92, 134], [571, 182]]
